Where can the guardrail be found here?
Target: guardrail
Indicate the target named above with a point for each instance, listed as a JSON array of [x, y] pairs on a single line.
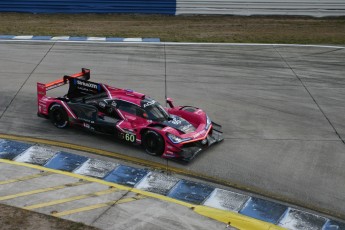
[[315, 8]]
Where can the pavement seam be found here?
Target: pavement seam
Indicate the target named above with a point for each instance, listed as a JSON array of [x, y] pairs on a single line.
[[112, 205], [312, 97], [7, 106], [165, 75]]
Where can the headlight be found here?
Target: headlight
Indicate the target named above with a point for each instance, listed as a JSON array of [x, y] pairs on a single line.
[[208, 123], [174, 139]]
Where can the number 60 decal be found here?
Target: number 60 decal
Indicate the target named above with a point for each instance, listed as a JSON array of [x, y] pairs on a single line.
[[130, 137]]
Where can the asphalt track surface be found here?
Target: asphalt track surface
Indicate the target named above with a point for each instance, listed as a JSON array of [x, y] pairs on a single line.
[[281, 107]]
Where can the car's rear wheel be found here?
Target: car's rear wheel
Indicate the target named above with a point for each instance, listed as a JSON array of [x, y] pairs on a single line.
[[58, 116], [153, 143]]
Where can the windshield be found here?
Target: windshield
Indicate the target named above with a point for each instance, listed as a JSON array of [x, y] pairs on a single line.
[[155, 111]]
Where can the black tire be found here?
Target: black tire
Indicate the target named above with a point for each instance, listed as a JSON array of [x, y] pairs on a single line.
[[153, 143], [58, 116]]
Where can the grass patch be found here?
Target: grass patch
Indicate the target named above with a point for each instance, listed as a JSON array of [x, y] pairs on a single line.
[[258, 29]]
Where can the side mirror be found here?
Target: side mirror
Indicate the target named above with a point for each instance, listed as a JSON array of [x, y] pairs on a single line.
[[170, 102]]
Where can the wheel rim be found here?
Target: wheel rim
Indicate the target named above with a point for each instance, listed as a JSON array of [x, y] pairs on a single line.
[[58, 118], [153, 143]]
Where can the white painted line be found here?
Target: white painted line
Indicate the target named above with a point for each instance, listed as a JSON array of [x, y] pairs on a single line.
[[96, 39], [23, 37], [58, 38], [132, 39], [183, 43], [253, 44]]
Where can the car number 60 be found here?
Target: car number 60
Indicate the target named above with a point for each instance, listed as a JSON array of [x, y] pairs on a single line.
[[130, 137]]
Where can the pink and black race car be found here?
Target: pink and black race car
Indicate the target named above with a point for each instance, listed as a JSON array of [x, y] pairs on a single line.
[[178, 132]]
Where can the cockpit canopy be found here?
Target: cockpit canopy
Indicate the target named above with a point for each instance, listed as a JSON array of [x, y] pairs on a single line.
[[154, 110]]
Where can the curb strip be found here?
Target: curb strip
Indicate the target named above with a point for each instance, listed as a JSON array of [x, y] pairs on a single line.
[[75, 38]]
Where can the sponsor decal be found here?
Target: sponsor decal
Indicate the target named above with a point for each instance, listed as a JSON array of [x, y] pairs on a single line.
[[42, 107], [88, 126], [149, 103], [196, 135], [114, 104], [199, 134], [175, 121], [87, 84], [187, 128], [86, 120]]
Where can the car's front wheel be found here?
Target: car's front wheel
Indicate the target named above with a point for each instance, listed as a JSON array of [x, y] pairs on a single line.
[[58, 116], [153, 143]]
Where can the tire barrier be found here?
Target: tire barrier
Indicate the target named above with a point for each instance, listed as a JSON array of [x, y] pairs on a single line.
[[184, 190]]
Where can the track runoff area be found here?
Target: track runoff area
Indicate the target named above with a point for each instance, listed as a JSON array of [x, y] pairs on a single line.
[[82, 182], [337, 51]]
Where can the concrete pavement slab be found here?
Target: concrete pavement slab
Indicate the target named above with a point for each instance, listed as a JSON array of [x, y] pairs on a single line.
[[36, 183], [157, 215], [100, 205], [9, 172]]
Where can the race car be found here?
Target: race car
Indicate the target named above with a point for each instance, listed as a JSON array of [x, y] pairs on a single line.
[[178, 132]]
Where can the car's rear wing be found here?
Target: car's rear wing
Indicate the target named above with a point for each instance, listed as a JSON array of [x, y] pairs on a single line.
[[43, 88]]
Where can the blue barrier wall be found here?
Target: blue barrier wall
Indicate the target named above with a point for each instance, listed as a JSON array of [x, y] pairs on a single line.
[[316, 8], [90, 6]]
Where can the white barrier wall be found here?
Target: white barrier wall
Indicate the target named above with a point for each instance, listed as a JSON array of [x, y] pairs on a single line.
[[315, 8]]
